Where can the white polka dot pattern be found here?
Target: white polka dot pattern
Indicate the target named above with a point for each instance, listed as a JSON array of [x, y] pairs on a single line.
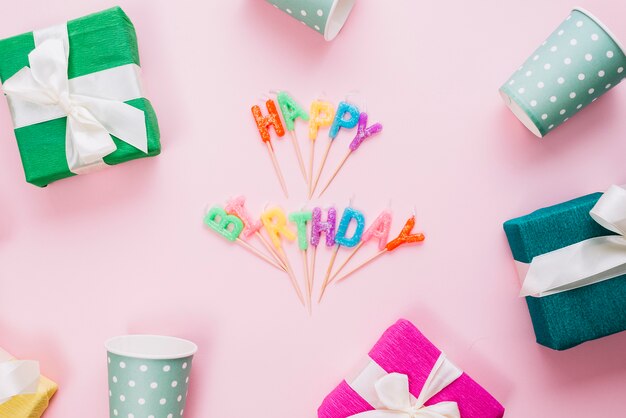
[[140, 388], [576, 65], [317, 15]]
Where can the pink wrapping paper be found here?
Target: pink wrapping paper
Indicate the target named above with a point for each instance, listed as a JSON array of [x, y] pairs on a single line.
[[403, 349]]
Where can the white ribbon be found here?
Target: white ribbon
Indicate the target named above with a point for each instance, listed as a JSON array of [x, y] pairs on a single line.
[[389, 393], [586, 262], [94, 103], [17, 377]]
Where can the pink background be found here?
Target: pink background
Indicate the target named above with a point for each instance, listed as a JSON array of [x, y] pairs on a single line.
[[124, 250]]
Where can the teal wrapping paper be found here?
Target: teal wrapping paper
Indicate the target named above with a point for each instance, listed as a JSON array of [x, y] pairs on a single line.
[[567, 319]]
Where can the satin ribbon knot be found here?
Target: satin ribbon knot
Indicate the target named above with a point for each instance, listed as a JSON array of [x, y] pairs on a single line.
[[394, 400], [93, 104], [583, 263], [65, 102]]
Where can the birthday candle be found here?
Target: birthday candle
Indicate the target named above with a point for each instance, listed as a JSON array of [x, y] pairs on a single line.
[[328, 227], [230, 227], [301, 219], [236, 206], [264, 122], [275, 223], [350, 214], [344, 109], [405, 236], [363, 132], [321, 116], [226, 225], [339, 122], [379, 229], [291, 110], [341, 239]]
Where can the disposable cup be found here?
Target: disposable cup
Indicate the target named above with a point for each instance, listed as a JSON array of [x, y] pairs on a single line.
[[579, 62], [148, 375], [324, 16]]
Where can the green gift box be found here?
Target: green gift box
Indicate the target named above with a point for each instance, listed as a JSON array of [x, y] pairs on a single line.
[[103, 59], [564, 320]]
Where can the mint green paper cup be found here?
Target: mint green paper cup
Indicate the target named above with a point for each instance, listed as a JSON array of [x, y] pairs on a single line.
[[324, 16], [576, 65], [148, 376]]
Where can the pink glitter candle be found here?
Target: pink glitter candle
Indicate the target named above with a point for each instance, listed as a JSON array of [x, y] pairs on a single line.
[[379, 229], [237, 207]]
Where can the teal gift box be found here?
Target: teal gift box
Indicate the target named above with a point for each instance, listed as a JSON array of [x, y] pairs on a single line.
[[101, 63], [564, 320]]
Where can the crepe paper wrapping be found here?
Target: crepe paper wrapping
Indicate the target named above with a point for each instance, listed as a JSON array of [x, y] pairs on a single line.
[[349, 215], [379, 229], [32, 405], [567, 319], [340, 120], [228, 226], [321, 116], [272, 118], [403, 349], [98, 42], [328, 227], [301, 219], [389, 392], [291, 110], [364, 132], [275, 223], [28, 405], [237, 207]]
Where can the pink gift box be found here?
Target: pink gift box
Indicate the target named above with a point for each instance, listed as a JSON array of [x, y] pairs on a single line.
[[403, 349]]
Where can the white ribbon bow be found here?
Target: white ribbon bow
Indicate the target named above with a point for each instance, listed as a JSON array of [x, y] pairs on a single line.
[[17, 377], [94, 104], [586, 262], [395, 401]]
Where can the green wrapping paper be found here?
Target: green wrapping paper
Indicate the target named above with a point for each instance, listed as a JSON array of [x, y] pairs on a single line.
[[566, 319], [97, 42]]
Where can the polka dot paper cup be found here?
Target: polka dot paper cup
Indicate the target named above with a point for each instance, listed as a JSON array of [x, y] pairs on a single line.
[[324, 16], [148, 376], [577, 64]]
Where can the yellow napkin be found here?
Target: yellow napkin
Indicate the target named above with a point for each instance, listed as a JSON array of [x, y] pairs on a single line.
[[30, 405]]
